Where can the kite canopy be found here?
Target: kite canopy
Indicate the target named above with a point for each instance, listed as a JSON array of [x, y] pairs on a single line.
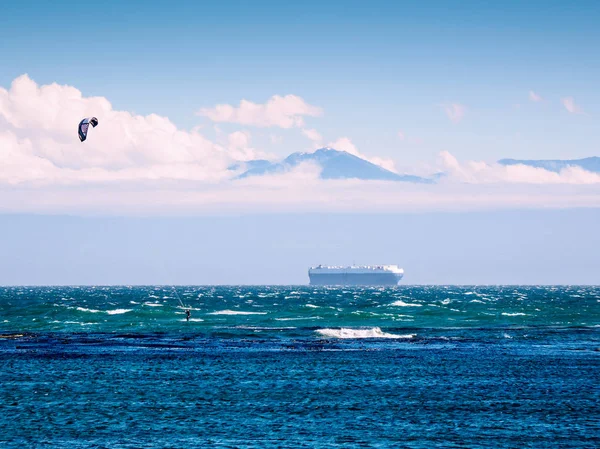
[[84, 125]]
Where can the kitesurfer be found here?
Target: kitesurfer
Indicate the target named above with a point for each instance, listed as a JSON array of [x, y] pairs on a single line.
[[84, 125], [187, 314]]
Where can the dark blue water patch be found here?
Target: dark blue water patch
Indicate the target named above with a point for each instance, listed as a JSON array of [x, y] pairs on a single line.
[[583, 338], [69, 392]]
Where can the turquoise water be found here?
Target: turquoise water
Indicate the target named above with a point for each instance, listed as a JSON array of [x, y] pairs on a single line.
[[414, 367]]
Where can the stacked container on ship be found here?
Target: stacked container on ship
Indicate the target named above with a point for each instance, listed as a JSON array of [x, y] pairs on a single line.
[[355, 275]]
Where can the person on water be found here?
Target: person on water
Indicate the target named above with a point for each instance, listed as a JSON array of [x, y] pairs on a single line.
[[187, 314]]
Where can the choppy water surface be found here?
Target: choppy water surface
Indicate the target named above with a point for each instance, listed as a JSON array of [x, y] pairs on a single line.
[[300, 367]]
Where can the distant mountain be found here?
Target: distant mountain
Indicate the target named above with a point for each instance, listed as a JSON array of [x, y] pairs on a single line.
[[589, 163], [335, 165], [250, 165]]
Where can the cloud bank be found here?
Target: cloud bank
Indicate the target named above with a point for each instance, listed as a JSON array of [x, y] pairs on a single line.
[[283, 112], [474, 172], [38, 125], [133, 164]]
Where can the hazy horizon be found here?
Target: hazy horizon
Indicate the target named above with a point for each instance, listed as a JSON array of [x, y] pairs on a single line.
[[470, 248]]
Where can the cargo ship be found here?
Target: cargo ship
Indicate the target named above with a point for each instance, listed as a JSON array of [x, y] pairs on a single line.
[[355, 275]]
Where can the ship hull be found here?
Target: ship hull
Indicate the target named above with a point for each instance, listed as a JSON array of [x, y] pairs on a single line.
[[377, 279]]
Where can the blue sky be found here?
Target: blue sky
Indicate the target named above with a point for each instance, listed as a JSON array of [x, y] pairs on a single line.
[[375, 69], [184, 89]]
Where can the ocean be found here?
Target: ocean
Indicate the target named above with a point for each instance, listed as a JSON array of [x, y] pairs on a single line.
[[299, 366]]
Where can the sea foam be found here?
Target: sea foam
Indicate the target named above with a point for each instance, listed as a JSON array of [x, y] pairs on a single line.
[[236, 312], [83, 309], [118, 311], [401, 303], [373, 332]]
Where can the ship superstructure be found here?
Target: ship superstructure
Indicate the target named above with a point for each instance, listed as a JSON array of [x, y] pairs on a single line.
[[355, 275]]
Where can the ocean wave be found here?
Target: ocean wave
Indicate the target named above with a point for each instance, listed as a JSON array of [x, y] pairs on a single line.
[[350, 333], [118, 311], [401, 303], [300, 318], [11, 335], [400, 311], [83, 309], [235, 312]]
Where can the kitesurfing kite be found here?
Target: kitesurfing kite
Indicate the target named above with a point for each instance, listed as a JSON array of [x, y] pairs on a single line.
[[84, 125]]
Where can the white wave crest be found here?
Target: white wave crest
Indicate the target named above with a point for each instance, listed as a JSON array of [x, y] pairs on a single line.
[[236, 312], [514, 314], [300, 318], [118, 311], [401, 303], [152, 304], [373, 332], [83, 309]]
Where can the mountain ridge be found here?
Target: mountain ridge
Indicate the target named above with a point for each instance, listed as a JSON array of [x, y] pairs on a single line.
[[591, 164], [335, 164]]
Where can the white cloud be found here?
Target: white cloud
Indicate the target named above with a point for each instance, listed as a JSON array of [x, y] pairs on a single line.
[[569, 104], [313, 135], [534, 97], [39, 123], [477, 172], [238, 145], [284, 112], [455, 111], [239, 139], [296, 191]]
